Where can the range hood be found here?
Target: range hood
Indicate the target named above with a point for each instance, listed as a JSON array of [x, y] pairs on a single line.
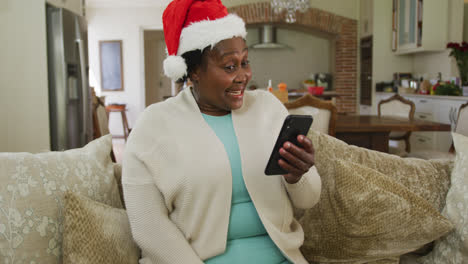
[[267, 36]]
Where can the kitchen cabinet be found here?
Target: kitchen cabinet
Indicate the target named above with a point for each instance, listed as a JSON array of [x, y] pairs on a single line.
[[419, 25], [442, 109]]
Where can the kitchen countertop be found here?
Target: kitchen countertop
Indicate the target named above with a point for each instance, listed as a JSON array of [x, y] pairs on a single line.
[[442, 97]]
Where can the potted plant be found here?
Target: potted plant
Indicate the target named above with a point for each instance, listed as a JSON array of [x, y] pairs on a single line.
[[446, 88], [460, 52]]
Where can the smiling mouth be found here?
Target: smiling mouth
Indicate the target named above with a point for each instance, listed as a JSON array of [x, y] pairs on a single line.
[[239, 92]]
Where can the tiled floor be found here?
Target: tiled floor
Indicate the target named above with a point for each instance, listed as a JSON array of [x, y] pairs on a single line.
[[118, 145]]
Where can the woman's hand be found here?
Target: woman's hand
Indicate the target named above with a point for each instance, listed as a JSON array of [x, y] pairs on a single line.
[[296, 160]]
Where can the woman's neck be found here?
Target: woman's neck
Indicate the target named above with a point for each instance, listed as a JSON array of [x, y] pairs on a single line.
[[207, 109]]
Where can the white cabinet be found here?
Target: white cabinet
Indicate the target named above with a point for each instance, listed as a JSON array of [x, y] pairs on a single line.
[[442, 109], [422, 141], [420, 25]]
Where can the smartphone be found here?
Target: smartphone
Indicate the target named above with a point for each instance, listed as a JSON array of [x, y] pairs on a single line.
[[293, 126]]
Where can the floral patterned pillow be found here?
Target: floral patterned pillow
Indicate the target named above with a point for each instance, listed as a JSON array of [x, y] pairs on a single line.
[[31, 197], [453, 248]]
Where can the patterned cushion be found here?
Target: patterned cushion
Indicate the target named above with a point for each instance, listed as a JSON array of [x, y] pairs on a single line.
[[31, 197], [96, 233], [453, 248], [373, 205]]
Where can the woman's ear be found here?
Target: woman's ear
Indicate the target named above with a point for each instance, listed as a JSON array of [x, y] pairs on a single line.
[[194, 75]]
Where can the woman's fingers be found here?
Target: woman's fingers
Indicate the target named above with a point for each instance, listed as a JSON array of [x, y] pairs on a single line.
[[305, 154], [290, 168], [296, 158], [306, 144]]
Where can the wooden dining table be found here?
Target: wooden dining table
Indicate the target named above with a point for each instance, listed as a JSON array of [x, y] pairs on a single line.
[[372, 132]]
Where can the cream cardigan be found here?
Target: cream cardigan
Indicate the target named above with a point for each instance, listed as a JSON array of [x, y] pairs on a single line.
[[177, 180]]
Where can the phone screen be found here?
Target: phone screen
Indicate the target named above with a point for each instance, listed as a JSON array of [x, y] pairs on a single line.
[[293, 126]]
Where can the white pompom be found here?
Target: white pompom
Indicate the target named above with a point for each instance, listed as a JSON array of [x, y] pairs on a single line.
[[175, 67]]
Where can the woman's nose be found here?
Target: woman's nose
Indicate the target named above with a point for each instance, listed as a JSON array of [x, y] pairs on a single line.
[[243, 76]]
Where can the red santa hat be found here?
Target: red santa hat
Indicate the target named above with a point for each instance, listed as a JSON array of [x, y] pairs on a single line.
[[195, 24]]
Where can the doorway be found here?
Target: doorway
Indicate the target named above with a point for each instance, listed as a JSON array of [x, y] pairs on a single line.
[[157, 85], [366, 71]]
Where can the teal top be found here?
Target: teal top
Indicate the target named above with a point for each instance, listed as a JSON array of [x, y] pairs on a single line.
[[247, 239]]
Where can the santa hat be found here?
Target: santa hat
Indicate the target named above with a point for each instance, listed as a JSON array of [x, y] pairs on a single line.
[[195, 24]]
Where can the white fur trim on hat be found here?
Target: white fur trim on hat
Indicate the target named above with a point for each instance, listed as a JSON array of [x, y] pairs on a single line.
[[202, 34], [175, 67]]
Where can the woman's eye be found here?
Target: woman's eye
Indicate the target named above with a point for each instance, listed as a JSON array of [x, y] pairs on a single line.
[[230, 68], [245, 63]]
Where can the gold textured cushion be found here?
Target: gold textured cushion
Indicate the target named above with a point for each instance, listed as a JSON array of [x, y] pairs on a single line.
[[31, 197], [96, 233], [118, 179], [429, 179], [453, 248], [370, 208]]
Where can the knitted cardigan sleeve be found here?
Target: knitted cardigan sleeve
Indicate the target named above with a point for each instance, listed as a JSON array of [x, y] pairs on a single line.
[[157, 236]]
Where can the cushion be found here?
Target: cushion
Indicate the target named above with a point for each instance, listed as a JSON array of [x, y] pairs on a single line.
[[453, 248], [365, 215], [118, 179], [373, 205], [395, 260], [429, 179], [31, 197], [96, 233]]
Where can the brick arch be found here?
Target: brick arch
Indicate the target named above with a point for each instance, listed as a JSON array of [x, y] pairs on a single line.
[[345, 32]]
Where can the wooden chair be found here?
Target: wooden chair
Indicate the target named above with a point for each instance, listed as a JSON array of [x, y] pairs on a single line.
[[120, 108], [100, 119], [400, 107], [324, 112], [461, 127]]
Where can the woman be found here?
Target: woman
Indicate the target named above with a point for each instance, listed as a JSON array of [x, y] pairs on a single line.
[[193, 178]]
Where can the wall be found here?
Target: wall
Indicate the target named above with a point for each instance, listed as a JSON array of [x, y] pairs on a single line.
[[346, 8], [465, 22], [126, 24], [24, 108], [308, 54], [76, 6], [366, 18]]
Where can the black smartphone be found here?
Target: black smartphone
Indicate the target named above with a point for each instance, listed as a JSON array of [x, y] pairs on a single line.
[[293, 126]]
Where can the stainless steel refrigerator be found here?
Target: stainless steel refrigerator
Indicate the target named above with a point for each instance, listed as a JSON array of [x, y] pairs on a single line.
[[69, 92]]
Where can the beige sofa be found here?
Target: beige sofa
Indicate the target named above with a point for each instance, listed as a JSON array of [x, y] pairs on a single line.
[[66, 207]]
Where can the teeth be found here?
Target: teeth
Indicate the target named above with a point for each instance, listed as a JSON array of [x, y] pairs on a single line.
[[235, 92]]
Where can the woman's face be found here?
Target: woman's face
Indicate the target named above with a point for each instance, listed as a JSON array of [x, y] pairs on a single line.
[[220, 82]]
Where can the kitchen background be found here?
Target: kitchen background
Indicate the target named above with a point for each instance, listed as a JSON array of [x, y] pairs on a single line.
[[23, 67], [308, 52]]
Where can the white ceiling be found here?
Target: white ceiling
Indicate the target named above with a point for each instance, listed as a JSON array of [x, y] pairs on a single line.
[[127, 3]]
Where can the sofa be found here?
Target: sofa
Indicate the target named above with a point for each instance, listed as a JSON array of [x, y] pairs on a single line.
[[67, 207]]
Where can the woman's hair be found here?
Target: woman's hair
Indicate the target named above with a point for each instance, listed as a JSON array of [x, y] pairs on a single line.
[[193, 59]]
